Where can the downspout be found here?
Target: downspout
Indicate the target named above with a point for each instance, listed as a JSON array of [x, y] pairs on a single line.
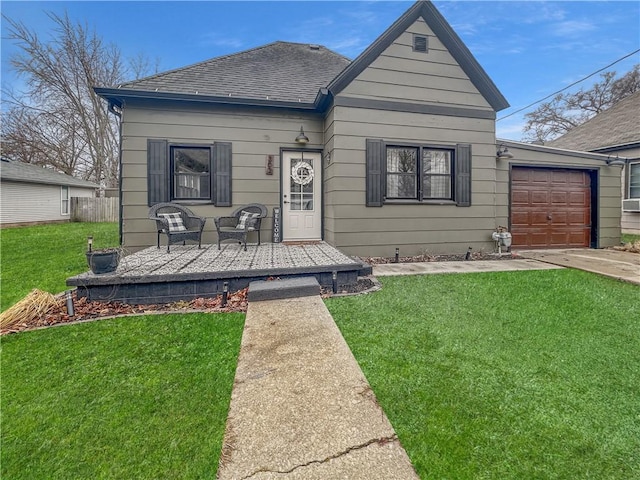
[[117, 111]]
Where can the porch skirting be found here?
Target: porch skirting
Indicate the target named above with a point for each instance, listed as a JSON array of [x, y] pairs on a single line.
[[154, 276]]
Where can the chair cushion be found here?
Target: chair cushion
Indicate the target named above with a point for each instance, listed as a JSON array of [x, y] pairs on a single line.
[[244, 218], [175, 222]]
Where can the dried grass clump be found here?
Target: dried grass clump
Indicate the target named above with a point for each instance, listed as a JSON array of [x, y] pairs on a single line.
[[632, 247], [32, 307]]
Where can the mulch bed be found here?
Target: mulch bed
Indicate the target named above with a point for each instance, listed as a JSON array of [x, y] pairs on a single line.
[[472, 256], [85, 310], [236, 301]]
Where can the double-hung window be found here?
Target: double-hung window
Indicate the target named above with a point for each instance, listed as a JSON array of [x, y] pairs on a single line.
[[64, 200], [634, 180], [190, 173], [419, 173]]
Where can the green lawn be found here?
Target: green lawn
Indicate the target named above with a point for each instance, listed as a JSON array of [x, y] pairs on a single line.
[[137, 397], [518, 375], [629, 238], [44, 256]]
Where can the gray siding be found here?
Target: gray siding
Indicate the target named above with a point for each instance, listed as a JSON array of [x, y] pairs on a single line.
[[403, 76], [400, 74], [253, 135], [630, 221]]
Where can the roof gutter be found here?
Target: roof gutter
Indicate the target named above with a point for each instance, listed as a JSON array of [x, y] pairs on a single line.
[[561, 151], [117, 97]]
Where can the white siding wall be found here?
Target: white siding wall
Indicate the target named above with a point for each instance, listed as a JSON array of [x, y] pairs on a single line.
[[31, 202]]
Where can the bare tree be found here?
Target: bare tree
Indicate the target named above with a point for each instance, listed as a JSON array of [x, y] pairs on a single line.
[[568, 110], [59, 121]]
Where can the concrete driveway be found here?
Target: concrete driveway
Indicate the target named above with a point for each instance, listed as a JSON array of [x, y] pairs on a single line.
[[611, 263]]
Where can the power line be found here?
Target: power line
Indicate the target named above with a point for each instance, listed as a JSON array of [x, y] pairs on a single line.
[[569, 86]]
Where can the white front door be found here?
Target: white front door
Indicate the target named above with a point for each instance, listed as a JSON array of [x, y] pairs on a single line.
[[301, 196]]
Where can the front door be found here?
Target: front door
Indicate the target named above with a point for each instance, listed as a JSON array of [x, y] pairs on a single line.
[[301, 196]]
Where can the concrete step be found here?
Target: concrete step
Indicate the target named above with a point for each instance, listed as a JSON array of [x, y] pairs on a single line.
[[261, 290]]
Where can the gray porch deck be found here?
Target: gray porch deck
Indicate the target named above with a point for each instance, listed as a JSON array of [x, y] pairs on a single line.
[[155, 276]]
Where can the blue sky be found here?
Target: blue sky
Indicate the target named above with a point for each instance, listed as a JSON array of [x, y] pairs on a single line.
[[530, 49]]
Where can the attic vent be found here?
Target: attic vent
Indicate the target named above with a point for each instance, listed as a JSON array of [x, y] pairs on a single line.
[[314, 47], [420, 43]]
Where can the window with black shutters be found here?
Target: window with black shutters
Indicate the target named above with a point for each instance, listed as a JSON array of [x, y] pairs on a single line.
[[190, 173], [429, 174], [419, 173], [199, 173]]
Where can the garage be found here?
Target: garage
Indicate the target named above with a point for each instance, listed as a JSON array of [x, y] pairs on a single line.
[[551, 207]]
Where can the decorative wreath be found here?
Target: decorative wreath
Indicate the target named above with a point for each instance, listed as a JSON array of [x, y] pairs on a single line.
[[302, 173]]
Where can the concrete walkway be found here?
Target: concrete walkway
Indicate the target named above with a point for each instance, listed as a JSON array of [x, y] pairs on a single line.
[[301, 407], [610, 263], [422, 268]]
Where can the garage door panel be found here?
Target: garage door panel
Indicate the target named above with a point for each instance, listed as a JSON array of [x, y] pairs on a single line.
[[578, 198], [520, 198], [520, 218], [559, 218], [539, 198], [538, 218], [539, 176], [550, 207]]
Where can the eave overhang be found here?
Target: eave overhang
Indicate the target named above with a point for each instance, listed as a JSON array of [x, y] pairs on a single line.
[[119, 97]]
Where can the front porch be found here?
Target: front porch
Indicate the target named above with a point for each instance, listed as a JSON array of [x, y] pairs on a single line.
[[153, 276]]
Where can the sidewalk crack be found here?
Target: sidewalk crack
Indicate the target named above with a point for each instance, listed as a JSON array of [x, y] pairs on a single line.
[[379, 441]]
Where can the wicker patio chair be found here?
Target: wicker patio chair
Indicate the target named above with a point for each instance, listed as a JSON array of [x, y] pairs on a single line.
[[178, 223], [237, 226]]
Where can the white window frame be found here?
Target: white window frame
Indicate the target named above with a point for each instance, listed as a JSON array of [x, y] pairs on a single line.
[[633, 166], [64, 200]]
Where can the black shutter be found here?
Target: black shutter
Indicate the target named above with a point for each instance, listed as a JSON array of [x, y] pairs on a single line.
[[463, 175], [376, 162], [157, 171], [222, 174]]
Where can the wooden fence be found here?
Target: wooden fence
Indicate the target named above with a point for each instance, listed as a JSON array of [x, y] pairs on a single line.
[[88, 209]]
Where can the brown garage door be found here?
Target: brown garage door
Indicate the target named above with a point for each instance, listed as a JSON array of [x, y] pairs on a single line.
[[550, 208]]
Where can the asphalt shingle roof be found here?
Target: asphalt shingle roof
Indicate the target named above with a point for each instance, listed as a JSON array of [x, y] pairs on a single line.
[[279, 71], [29, 173], [618, 125]]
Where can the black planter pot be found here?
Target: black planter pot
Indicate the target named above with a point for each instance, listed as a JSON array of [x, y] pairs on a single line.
[[103, 261]]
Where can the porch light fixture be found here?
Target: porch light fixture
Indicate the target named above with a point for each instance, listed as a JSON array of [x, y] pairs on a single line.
[[302, 139], [616, 161], [503, 152]]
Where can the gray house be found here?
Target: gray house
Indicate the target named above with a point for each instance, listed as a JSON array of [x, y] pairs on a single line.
[[395, 149], [32, 194], [616, 133]]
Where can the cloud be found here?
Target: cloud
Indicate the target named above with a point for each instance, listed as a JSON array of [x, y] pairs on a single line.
[[572, 28], [217, 40]]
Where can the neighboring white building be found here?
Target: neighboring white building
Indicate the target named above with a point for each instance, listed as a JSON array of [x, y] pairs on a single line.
[[33, 194], [615, 132]]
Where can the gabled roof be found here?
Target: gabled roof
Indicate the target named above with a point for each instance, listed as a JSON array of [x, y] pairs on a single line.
[[293, 75], [617, 126], [445, 34], [29, 173]]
